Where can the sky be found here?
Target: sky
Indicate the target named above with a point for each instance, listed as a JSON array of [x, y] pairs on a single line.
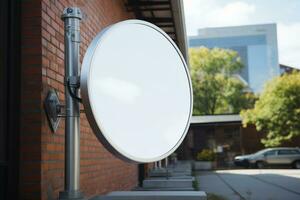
[[219, 13]]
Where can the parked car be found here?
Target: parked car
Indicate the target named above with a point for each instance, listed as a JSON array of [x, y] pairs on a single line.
[[271, 156]]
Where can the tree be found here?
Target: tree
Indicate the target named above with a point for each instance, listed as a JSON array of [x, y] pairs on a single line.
[[277, 112], [216, 90]]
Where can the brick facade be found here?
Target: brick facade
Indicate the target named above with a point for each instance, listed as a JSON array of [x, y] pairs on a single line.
[[42, 152]]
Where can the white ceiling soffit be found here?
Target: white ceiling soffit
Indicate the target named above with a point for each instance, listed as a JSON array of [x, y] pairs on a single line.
[[206, 119]]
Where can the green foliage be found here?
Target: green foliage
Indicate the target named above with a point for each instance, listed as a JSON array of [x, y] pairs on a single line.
[[206, 155], [277, 112], [216, 90], [196, 185]]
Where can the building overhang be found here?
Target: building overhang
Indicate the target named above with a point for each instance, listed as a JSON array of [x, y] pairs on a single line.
[[166, 14], [216, 120]]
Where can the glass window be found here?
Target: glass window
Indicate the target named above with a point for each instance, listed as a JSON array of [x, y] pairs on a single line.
[[270, 153], [288, 152]]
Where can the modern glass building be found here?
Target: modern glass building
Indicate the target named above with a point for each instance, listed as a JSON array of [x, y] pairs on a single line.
[[256, 45]]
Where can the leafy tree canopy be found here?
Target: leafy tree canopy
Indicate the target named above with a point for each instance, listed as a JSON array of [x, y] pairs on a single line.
[[277, 112], [216, 88]]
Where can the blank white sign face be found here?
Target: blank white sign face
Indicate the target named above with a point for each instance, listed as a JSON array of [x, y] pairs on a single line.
[[136, 91]]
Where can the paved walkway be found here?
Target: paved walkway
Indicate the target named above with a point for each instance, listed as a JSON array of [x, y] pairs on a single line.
[[267, 184]]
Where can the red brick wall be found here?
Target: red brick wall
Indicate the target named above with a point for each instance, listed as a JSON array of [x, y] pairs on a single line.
[[42, 168]]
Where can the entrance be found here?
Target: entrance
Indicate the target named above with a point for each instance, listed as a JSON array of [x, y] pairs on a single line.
[[9, 97]]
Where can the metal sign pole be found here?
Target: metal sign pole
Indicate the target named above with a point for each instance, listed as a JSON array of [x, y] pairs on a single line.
[[71, 17]]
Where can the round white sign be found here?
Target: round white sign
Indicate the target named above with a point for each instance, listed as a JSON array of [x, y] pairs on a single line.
[[136, 91]]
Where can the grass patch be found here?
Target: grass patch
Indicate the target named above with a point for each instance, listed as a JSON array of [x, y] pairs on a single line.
[[211, 196]]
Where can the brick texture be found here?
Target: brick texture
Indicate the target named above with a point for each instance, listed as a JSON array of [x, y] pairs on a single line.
[[42, 152]]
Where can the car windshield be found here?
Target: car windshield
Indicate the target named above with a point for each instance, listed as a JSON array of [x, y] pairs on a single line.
[[261, 151]]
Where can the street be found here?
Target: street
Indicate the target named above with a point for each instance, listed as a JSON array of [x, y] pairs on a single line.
[[250, 184]]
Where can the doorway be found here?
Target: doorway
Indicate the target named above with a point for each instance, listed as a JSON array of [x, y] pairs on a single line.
[[9, 97]]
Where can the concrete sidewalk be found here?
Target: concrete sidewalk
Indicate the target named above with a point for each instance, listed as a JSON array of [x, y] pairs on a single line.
[[252, 184]]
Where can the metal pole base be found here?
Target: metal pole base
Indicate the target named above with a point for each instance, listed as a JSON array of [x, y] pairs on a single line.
[[71, 195]]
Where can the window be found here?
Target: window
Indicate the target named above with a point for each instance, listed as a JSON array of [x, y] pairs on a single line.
[[288, 152], [270, 153], [232, 133]]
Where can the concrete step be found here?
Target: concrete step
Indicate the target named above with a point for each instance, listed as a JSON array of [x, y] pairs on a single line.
[[169, 172], [153, 195], [181, 174], [167, 189], [167, 183], [191, 178], [160, 173]]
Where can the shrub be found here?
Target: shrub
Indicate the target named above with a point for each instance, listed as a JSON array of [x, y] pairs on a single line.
[[206, 155]]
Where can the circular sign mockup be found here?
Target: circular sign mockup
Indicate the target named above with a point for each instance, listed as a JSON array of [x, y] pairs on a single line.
[[136, 91]]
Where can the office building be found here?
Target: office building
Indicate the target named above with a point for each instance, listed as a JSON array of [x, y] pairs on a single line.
[[256, 45]]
